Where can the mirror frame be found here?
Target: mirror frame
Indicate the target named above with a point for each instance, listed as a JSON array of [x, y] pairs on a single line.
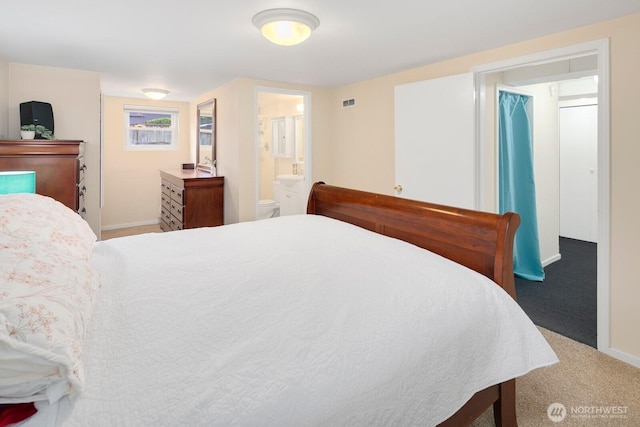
[[214, 129]]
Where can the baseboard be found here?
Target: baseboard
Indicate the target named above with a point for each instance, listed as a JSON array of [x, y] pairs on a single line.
[[551, 260], [621, 355], [133, 224]]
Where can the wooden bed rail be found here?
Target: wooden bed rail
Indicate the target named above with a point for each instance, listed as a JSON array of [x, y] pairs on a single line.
[[481, 241]]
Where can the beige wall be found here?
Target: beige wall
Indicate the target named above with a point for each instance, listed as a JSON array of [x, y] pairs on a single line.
[[4, 96], [132, 177], [363, 156], [362, 137], [625, 176], [75, 98]]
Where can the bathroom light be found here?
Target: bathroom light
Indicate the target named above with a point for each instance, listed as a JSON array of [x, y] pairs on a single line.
[[12, 182], [155, 93], [285, 27]]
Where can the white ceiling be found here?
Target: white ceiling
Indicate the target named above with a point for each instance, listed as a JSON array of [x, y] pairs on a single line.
[[193, 46]]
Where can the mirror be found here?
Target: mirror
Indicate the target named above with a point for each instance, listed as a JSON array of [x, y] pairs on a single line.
[[282, 137], [206, 132]]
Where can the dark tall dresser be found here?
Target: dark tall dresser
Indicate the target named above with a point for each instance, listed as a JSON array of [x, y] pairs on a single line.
[[59, 167]]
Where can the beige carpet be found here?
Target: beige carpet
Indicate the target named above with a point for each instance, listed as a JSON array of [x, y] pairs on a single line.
[[130, 231], [586, 381]]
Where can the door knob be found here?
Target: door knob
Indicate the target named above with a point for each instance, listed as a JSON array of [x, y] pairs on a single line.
[[398, 188]]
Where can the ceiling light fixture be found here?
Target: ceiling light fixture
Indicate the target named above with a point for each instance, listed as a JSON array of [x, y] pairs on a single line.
[[286, 27], [155, 93]]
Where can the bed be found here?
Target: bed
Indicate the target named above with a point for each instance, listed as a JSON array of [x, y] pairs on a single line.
[[337, 317]]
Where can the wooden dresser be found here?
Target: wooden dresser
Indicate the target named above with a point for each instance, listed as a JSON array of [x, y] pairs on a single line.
[[191, 199], [59, 167]]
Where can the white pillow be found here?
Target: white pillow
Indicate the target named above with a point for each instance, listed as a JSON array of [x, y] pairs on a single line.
[[47, 300]]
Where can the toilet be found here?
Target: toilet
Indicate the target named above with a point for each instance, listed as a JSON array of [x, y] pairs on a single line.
[[268, 208]]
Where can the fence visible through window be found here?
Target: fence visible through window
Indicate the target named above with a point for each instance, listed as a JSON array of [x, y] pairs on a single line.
[[150, 127], [150, 136]]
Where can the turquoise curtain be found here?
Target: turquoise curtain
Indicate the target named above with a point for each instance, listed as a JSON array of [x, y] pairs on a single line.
[[517, 190]]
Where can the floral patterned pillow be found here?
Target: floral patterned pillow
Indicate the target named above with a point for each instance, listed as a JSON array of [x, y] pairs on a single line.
[[36, 218], [47, 298]]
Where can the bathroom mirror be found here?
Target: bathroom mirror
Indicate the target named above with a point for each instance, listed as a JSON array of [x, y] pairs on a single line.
[[206, 132], [282, 137]]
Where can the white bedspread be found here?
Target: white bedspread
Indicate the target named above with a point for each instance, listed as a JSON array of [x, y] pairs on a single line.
[[291, 321]]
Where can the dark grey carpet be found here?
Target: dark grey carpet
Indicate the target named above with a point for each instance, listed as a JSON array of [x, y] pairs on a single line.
[[566, 301]]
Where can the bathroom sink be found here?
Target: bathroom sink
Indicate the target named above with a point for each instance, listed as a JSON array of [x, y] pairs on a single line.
[[290, 177]]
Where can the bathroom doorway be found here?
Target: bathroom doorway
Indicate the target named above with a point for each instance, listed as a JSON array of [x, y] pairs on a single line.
[[283, 148]]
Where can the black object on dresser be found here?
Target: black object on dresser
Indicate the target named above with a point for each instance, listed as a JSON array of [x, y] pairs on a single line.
[[37, 113]]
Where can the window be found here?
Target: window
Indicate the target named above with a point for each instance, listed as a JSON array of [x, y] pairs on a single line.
[[149, 128]]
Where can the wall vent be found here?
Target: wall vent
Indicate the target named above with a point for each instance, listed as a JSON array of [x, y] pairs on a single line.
[[351, 102]]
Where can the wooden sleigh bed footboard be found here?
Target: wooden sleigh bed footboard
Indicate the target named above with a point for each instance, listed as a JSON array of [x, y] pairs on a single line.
[[479, 240]]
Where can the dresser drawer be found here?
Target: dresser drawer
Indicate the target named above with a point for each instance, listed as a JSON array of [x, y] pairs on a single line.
[[166, 188], [165, 215], [82, 168], [165, 202], [175, 224], [177, 210], [177, 194], [81, 190]]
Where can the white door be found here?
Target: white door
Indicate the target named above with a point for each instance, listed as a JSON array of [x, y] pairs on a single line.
[[578, 174], [434, 146]]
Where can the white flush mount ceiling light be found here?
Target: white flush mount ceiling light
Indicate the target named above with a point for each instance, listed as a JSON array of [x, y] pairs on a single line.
[[155, 93], [286, 27]]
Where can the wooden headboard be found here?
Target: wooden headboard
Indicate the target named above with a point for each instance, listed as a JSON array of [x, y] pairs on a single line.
[[481, 241]]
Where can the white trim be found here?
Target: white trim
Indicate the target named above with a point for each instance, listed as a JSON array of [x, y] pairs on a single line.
[[551, 260], [480, 95], [625, 357], [101, 189], [577, 102], [604, 200], [131, 224], [563, 53], [601, 48]]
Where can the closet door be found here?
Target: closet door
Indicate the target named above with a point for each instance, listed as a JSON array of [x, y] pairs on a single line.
[[578, 172], [435, 140]]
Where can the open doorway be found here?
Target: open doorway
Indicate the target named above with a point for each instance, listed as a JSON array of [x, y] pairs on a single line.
[[564, 121], [283, 148], [558, 65]]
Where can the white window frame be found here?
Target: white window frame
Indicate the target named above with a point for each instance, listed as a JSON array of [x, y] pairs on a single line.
[[173, 146]]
